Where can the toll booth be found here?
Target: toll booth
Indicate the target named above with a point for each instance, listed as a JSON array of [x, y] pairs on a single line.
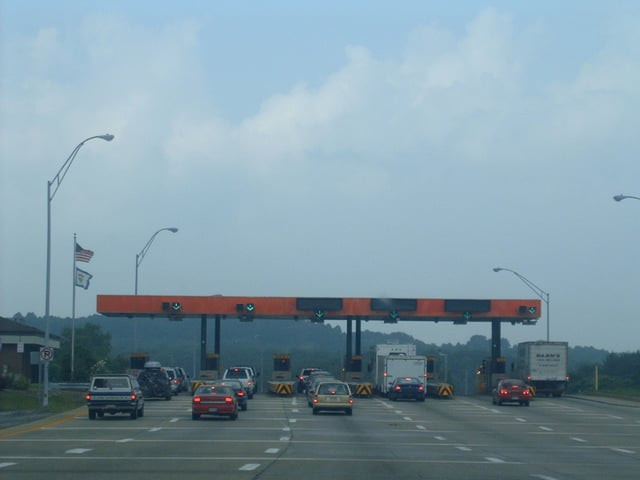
[[488, 375], [210, 373], [136, 362], [436, 388], [498, 372], [281, 382], [354, 377]]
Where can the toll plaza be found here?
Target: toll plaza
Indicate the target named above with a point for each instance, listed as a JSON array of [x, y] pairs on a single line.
[[318, 309]]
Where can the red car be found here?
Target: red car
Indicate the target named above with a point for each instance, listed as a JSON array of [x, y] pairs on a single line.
[[218, 400], [511, 390]]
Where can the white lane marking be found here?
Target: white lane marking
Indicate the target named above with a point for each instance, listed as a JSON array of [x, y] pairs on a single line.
[[174, 420], [286, 429], [295, 410], [543, 477], [79, 450], [408, 419], [124, 440], [292, 420], [520, 419], [247, 467], [464, 449], [546, 429], [155, 429], [494, 460], [421, 427], [615, 417], [438, 437], [622, 450], [399, 412], [285, 439], [272, 450], [581, 440], [494, 410], [6, 464]]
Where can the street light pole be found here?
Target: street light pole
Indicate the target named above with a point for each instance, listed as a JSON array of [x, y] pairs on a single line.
[[55, 183], [139, 258], [143, 252], [536, 289]]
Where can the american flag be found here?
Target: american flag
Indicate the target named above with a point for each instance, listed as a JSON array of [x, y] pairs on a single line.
[[83, 255]]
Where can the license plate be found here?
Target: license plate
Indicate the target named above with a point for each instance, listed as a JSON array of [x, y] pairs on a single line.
[[333, 399], [515, 398], [213, 410]]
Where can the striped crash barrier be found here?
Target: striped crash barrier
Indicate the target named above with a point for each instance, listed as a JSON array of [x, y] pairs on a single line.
[[361, 389], [440, 390], [281, 388]]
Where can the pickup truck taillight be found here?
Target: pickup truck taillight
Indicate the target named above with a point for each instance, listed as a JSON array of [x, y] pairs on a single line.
[[133, 396]]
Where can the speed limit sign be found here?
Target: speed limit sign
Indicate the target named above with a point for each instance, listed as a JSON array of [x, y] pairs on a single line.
[[46, 354]]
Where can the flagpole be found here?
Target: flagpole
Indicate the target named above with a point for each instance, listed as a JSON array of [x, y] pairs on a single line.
[[73, 310]]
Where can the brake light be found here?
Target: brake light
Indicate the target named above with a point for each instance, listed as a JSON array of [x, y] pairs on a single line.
[[197, 399], [526, 392], [420, 388], [228, 399], [315, 399], [504, 392], [397, 387], [133, 396], [88, 396], [175, 381], [241, 393]]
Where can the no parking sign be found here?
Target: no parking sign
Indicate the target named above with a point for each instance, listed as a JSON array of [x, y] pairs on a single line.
[[46, 354]]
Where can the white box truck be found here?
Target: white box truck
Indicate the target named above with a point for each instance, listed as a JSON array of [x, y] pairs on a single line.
[[543, 365], [390, 367]]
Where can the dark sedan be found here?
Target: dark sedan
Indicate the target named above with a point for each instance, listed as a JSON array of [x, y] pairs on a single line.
[[241, 394], [407, 388]]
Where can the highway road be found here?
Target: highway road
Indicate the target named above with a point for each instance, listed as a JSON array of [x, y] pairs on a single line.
[[279, 438]]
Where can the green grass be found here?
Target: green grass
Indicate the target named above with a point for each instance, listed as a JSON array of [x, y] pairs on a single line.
[[29, 400]]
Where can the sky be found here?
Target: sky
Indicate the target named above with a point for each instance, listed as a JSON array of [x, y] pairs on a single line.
[[331, 149]]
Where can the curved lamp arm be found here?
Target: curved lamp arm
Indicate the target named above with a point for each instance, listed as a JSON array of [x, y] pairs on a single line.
[[57, 180]]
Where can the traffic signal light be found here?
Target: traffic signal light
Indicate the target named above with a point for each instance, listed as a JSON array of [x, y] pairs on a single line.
[[245, 312], [527, 310], [393, 317]]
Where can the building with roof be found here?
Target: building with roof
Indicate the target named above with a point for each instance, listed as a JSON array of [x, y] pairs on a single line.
[[20, 348]]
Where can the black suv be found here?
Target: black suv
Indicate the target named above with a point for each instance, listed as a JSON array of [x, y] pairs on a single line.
[[154, 381]]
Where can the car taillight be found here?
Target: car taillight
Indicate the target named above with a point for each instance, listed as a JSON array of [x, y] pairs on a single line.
[[197, 399], [241, 394], [133, 396], [526, 392], [228, 399], [350, 400], [315, 399], [249, 383], [504, 392], [397, 388], [176, 381], [420, 388], [88, 396]]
